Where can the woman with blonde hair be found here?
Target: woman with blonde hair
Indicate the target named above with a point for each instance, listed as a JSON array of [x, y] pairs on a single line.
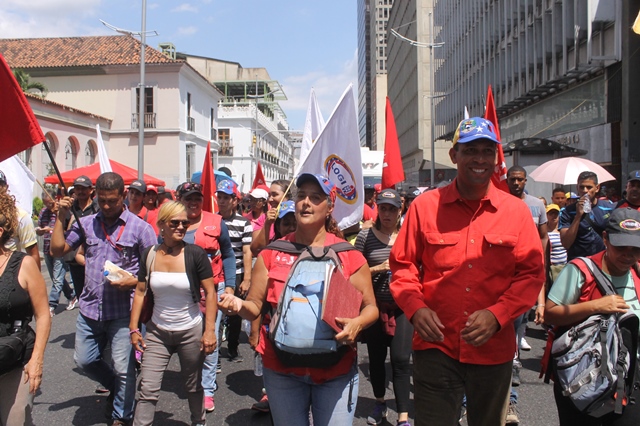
[[177, 272], [23, 293]]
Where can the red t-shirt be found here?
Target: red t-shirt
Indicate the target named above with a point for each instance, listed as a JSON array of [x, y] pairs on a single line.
[[278, 265]]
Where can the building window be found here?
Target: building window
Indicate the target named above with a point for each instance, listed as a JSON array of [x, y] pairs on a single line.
[[25, 157], [71, 154], [90, 153], [191, 156], [149, 115], [226, 147]]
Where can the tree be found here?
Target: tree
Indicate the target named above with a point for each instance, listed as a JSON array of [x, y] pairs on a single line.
[[27, 86]]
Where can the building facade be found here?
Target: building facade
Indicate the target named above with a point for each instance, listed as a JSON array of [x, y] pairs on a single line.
[[560, 70], [101, 75]]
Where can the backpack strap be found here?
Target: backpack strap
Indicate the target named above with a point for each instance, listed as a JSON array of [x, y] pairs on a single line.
[[286, 247], [151, 257], [602, 281]]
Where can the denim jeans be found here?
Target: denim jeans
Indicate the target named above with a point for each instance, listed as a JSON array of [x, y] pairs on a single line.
[[57, 271], [331, 403], [120, 377], [211, 360]]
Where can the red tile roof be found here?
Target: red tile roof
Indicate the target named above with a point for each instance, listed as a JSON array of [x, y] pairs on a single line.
[[29, 53]]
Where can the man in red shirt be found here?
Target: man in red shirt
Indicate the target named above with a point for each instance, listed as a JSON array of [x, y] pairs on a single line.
[[466, 263]]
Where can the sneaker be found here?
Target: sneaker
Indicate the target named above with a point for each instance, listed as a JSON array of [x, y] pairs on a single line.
[[72, 304], [209, 404], [512, 414], [379, 412], [101, 389], [524, 345], [235, 357], [52, 311], [515, 376], [262, 405], [219, 367]]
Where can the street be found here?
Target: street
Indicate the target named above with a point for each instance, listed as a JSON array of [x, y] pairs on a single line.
[[67, 397]]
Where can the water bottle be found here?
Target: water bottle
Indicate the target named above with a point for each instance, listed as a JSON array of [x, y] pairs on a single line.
[[112, 271], [246, 326], [257, 364], [586, 204]]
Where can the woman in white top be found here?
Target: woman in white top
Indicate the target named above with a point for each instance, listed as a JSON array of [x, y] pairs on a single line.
[[176, 326]]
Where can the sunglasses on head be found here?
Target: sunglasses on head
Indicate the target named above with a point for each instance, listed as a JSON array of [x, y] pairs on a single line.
[[174, 223], [190, 186]]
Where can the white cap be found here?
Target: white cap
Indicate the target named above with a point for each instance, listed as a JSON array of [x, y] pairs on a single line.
[[259, 193]]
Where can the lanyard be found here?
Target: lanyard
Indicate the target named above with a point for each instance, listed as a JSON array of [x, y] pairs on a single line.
[[114, 244]]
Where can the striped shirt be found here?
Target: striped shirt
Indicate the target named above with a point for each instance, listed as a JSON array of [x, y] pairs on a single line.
[[240, 232], [558, 252]]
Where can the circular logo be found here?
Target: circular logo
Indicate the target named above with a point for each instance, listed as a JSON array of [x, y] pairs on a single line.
[[630, 225], [342, 177]]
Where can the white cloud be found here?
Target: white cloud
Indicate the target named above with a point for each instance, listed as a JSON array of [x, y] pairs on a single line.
[[185, 7], [187, 31], [328, 87]]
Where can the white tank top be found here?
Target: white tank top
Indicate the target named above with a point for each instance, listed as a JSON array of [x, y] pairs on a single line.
[[173, 305]]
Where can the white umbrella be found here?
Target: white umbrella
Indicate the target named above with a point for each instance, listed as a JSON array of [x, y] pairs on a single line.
[[566, 170]]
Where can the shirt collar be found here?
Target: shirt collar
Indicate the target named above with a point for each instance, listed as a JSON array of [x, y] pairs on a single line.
[[450, 194]]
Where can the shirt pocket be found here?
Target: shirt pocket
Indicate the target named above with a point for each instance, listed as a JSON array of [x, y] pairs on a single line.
[[444, 251], [91, 250], [499, 248]]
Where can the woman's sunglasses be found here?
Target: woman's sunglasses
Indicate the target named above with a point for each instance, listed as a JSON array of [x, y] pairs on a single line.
[[174, 223]]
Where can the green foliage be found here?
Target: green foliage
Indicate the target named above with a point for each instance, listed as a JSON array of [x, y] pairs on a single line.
[[38, 204], [24, 80]]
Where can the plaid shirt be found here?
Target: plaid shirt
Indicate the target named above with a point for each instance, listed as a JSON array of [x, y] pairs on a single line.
[[101, 301], [46, 218]]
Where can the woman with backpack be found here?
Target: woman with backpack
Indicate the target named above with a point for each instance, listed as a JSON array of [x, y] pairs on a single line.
[[330, 392], [575, 296], [393, 328]]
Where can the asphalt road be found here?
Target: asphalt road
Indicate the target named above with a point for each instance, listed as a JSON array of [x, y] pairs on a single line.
[[67, 397]]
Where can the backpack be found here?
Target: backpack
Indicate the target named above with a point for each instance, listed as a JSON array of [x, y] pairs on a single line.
[[594, 362], [300, 337]]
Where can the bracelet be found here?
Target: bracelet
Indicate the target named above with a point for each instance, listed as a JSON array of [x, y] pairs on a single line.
[[137, 330]]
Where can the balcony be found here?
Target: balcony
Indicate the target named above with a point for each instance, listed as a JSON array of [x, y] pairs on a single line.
[[226, 149], [191, 124], [149, 120]]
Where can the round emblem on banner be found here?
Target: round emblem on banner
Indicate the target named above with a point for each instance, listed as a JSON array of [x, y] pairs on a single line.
[[342, 177]]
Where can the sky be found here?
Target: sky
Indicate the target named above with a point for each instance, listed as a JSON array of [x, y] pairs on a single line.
[[302, 44]]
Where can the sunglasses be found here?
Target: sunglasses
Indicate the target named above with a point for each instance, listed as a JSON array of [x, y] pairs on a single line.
[[190, 186], [174, 223]]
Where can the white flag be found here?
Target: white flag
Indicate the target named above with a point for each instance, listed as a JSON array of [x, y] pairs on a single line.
[[313, 125], [105, 164], [336, 154], [20, 181]]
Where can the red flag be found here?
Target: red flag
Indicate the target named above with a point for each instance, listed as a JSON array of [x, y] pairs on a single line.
[[208, 182], [392, 170], [499, 177], [258, 180], [19, 128]]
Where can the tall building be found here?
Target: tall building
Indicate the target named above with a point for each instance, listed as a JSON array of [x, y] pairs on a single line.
[[373, 16], [562, 74]]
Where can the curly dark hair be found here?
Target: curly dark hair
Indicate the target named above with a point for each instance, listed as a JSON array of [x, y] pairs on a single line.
[[8, 215]]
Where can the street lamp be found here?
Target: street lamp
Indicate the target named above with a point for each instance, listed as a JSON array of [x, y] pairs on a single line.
[[141, 88]]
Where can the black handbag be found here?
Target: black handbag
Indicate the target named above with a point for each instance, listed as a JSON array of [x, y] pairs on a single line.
[[13, 349]]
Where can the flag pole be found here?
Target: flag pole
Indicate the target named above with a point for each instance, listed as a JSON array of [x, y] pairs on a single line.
[[55, 167]]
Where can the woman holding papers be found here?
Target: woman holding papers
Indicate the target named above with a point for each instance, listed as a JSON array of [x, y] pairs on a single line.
[[330, 393], [393, 328]]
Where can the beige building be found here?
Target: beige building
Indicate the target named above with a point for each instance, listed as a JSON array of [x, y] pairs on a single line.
[[101, 75]]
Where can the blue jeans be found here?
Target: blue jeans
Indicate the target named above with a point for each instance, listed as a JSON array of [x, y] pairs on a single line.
[[211, 360], [57, 271], [120, 377], [331, 403]]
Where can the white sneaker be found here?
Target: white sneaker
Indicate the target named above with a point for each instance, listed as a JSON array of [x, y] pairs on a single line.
[[72, 304], [524, 345], [52, 311]]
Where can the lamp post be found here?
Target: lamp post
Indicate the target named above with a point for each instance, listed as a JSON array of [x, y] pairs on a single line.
[[141, 88]]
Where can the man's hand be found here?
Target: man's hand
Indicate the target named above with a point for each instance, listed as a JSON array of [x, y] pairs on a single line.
[[539, 314], [479, 328], [64, 205], [428, 325], [126, 282], [244, 287]]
